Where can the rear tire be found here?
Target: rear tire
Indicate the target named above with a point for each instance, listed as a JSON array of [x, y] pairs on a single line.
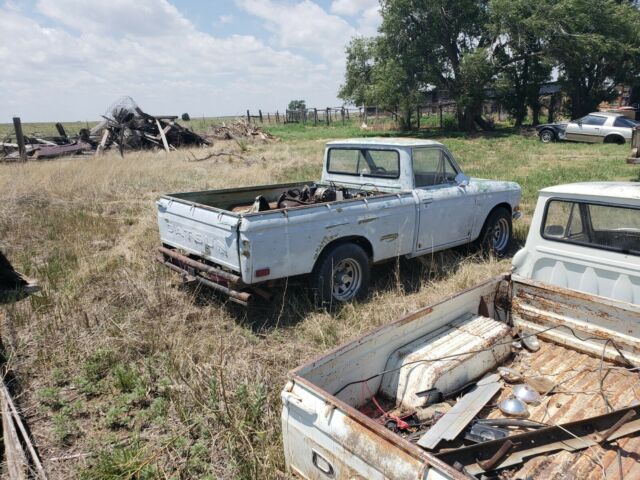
[[618, 140], [547, 136], [341, 275], [497, 233]]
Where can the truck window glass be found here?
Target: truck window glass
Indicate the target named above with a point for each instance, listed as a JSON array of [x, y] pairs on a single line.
[[365, 162], [608, 227], [432, 167]]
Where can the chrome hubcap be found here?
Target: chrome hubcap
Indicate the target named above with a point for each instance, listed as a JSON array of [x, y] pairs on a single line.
[[347, 277], [500, 237], [546, 136]]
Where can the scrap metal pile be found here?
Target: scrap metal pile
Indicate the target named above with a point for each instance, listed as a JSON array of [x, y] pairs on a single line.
[[124, 127]]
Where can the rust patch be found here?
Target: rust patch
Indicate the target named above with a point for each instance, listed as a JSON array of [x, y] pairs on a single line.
[[326, 240]]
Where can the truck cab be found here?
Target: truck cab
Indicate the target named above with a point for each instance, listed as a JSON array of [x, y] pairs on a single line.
[[586, 237]]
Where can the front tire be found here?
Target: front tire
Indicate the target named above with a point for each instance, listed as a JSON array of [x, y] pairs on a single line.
[[497, 233], [547, 136], [341, 275]]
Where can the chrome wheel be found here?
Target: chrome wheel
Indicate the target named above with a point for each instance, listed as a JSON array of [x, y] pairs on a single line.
[[500, 235], [346, 279], [546, 136]]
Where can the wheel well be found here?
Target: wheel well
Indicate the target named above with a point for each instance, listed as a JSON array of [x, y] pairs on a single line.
[[504, 205], [362, 242], [614, 138], [547, 130]]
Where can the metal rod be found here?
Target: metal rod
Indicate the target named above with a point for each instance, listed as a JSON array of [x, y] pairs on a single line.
[[199, 265], [616, 426], [238, 297]]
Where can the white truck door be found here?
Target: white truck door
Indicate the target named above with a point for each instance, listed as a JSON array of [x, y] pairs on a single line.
[[445, 212]]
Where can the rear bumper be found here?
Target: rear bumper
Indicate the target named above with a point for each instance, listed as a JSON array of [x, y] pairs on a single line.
[[213, 277]]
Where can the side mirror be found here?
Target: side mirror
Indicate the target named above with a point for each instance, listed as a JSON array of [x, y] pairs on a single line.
[[462, 180]]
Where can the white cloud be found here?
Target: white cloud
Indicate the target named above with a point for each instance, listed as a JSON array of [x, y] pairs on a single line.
[[303, 25], [94, 54], [117, 17], [353, 7], [225, 19]]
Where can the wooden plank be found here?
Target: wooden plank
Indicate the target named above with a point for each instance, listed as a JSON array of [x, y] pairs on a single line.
[[17, 125], [103, 142], [163, 136], [25, 436], [14, 454], [455, 420]]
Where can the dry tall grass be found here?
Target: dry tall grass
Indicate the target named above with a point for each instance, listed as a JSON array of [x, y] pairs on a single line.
[[122, 374]]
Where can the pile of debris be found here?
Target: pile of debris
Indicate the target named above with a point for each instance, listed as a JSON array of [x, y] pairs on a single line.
[[239, 130], [127, 127], [45, 147], [124, 127]]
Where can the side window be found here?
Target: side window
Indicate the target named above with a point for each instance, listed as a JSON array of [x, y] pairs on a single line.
[[593, 120], [608, 227], [624, 122], [563, 220], [432, 167]]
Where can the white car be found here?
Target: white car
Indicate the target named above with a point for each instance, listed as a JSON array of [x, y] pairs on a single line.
[[597, 127]]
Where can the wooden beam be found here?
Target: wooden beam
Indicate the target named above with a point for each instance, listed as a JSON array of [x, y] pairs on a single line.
[[17, 125], [162, 136]]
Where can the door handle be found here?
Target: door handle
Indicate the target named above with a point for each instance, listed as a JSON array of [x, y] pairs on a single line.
[[427, 201]]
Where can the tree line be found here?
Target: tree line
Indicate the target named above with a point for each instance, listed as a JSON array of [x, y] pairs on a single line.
[[509, 47]]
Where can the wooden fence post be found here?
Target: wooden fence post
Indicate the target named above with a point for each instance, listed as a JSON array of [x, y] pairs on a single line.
[[419, 113], [441, 122], [260, 115], [277, 116], [17, 125], [248, 117], [315, 116], [342, 114], [328, 116]]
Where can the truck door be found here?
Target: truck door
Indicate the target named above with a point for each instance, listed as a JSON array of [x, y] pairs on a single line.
[[586, 129], [445, 209]]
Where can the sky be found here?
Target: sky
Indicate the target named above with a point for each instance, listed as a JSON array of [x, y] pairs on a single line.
[[68, 60]]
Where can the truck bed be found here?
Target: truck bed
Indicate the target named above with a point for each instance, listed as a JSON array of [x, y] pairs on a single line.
[[590, 378]]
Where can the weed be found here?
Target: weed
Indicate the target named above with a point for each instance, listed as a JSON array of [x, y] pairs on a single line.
[[51, 397], [122, 461], [98, 365], [65, 428], [126, 378]]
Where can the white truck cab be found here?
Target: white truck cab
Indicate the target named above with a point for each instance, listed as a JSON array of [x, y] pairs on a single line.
[[586, 237]]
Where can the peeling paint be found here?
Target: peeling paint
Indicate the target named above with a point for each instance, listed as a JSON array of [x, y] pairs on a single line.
[[326, 240]]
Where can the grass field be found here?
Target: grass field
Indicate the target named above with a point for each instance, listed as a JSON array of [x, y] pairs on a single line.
[[122, 374]]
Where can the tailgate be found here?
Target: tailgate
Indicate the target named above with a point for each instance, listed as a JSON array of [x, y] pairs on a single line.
[[208, 233]]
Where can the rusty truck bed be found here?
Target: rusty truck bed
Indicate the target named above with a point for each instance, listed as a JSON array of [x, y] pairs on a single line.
[[578, 394]]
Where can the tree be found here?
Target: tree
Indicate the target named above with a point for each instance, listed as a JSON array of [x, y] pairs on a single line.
[[521, 64], [297, 105], [422, 43], [595, 45], [359, 68]]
